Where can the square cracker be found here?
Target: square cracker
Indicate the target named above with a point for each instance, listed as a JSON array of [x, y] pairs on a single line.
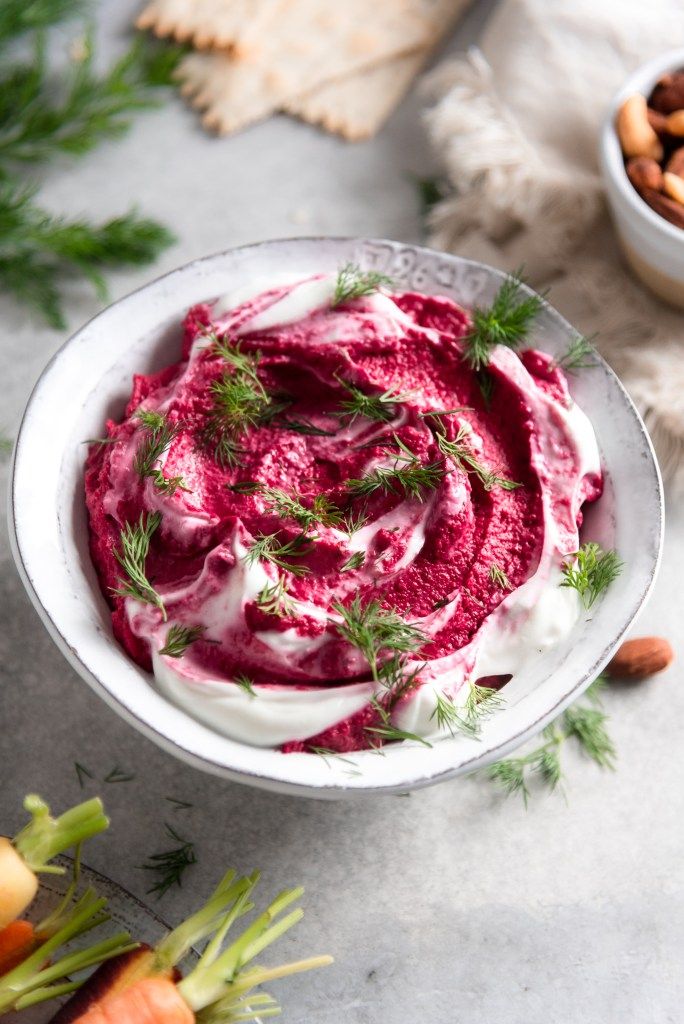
[[223, 24], [357, 106], [308, 42]]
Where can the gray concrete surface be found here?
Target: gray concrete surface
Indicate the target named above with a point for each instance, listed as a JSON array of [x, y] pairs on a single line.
[[451, 905]]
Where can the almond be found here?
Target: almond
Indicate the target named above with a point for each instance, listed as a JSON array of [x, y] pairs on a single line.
[[666, 207], [643, 172], [675, 165], [657, 121], [640, 658], [636, 136], [674, 122], [673, 185], [668, 94]]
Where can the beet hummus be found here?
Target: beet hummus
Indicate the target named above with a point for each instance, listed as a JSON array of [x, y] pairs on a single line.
[[324, 528]]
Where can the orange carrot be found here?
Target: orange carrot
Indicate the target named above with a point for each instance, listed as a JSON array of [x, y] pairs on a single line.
[[150, 1001], [17, 941]]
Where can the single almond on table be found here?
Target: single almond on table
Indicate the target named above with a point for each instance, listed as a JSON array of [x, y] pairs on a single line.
[[636, 136], [640, 658], [674, 186], [644, 172]]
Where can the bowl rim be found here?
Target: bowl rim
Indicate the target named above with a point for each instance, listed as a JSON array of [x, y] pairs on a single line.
[[330, 789], [642, 79]]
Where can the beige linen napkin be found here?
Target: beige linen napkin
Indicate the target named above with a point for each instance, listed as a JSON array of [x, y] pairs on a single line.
[[516, 125]]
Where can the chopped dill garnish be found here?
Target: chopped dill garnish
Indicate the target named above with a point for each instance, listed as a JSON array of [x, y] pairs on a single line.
[[119, 775], [461, 454], [354, 283], [157, 441], [284, 505], [486, 384], [240, 402], [506, 322], [179, 638], [326, 753], [408, 474], [580, 355], [373, 629], [245, 683], [480, 702], [387, 731], [445, 412], [274, 599], [81, 773], [302, 427], [135, 546], [587, 725], [178, 805], [355, 561], [498, 576], [381, 408], [266, 546], [245, 363], [591, 571], [170, 865]]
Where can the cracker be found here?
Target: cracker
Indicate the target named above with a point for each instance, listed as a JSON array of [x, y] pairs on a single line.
[[357, 106], [308, 43], [225, 24]]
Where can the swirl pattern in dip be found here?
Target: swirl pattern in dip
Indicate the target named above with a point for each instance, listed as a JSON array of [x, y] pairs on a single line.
[[472, 557]]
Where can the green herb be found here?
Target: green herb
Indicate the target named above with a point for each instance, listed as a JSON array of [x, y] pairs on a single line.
[[506, 322], [266, 547], [239, 403], [178, 805], [326, 753], [242, 680], [322, 510], [498, 576], [585, 724], [135, 547], [157, 442], [480, 702], [381, 408], [45, 837], [18, 17], [387, 731], [461, 454], [354, 562], [274, 599], [430, 192], [302, 427], [39, 251], [245, 363], [6, 445], [354, 283], [408, 474], [591, 572], [119, 775], [170, 865], [580, 355], [445, 412], [354, 521], [485, 383], [179, 638], [373, 629], [81, 773]]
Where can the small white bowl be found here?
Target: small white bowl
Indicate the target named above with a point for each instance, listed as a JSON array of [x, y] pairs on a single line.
[[89, 379], [653, 247]]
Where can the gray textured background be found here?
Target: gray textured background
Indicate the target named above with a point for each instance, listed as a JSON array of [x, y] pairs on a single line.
[[451, 905]]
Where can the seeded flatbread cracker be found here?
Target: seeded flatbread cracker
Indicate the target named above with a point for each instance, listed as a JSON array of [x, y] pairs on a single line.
[[357, 106], [309, 42], [224, 24]]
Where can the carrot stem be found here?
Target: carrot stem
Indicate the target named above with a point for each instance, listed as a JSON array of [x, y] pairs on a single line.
[[45, 837]]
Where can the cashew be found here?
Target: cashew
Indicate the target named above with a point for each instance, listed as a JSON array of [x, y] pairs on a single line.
[[674, 186], [637, 138], [674, 122]]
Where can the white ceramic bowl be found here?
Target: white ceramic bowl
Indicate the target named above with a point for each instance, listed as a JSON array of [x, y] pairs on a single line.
[[654, 248], [89, 380]]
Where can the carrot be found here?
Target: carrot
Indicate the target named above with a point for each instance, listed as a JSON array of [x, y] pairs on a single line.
[[150, 1001], [17, 940]]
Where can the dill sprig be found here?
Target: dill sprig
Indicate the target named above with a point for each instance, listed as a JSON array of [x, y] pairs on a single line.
[[480, 702], [354, 562], [274, 599], [118, 775], [179, 638], [387, 731], [381, 407], [354, 283], [462, 455], [155, 444], [373, 630], [268, 548], [284, 505], [408, 474], [135, 547], [301, 427], [590, 571], [81, 773], [178, 805], [240, 403], [506, 322], [245, 683], [170, 865], [499, 577], [245, 363], [585, 724], [579, 355]]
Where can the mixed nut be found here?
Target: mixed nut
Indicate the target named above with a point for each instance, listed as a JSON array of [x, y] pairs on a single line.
[[651, 134]]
